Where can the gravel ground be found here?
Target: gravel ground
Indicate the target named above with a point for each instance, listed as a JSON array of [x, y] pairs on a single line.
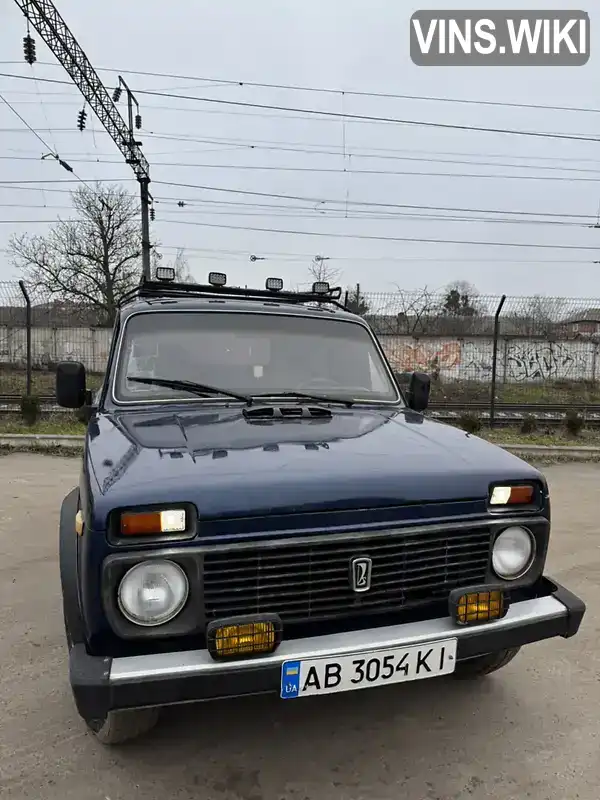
[[530, 731]]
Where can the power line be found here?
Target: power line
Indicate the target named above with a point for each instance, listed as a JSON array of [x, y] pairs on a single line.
[[416, 240], [348, 92], [304, 147], [313, 200], [356, 215], [188, 165], [321, 200], [337, 115], [27, 125]]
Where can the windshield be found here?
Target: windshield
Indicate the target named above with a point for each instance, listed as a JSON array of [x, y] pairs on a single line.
[[251, 354]]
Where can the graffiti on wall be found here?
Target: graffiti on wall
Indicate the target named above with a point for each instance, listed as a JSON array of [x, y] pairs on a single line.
[[542, 361], [476, 359], [407, 355]]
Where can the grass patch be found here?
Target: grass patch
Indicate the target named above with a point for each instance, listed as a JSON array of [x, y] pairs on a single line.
[[43, 382], [563, 392], [557, 438], [58, 425]]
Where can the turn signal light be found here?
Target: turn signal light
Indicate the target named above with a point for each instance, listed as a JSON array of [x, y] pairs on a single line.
[[478, 606], [232, 639], [153, 523], [512, 495]]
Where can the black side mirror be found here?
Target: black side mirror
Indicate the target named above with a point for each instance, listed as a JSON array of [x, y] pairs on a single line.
[[70, 384], [418, 391]]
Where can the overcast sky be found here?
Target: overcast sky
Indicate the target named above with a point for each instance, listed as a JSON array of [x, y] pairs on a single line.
[[353, 45]]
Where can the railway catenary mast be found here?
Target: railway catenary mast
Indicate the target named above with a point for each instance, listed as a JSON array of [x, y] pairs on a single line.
[[44, 17]]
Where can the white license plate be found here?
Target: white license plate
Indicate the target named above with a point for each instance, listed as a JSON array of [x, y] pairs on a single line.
[[362, 670]]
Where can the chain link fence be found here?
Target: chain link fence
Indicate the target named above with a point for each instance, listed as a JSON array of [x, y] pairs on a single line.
[[478, 350], [36, 334], [491, 349]]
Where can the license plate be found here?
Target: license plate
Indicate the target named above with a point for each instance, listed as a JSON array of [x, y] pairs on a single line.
[[362, 670]]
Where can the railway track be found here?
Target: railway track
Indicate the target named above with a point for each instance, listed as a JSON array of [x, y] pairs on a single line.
[[506, 414]]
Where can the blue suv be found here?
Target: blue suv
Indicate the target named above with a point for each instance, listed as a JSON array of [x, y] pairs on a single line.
[[261, 509]]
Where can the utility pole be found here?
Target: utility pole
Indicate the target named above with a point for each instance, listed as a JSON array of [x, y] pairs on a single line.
[[44, 17]]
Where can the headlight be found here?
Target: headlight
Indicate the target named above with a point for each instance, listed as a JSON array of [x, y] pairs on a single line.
[[513, 553], [153, 592]]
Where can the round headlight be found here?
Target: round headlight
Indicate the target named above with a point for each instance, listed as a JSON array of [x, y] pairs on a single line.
[[153, 592], [513, 553]]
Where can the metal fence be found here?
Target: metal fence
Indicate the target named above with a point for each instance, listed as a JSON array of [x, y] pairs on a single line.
[[36, 334], [490, 350], [480, 351]]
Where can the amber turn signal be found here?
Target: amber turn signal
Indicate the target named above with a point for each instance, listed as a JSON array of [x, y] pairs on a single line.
[[474, 607], [512, 495], [152, 523], [246, 637]]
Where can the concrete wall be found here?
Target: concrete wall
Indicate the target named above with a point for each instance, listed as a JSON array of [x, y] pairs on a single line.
[[519, 360]]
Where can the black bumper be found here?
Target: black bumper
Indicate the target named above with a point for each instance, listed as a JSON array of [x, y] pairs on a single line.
[[96, 694]]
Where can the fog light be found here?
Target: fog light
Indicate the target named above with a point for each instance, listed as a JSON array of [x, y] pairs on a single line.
[[476, 606], [243, 636]]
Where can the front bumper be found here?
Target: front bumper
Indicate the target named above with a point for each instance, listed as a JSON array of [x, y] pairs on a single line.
[[105, 684]]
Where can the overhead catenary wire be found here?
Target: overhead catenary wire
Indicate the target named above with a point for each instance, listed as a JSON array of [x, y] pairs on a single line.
[[17, 185], [352, 171], [379, 153], [287, 213], [347, 236], [337, 91], [348, 116], [371, 237]]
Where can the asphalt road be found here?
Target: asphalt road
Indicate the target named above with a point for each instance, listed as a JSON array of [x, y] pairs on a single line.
[[530, 731]]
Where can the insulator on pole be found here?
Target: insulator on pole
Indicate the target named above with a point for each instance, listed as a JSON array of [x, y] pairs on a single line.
[[29, 49]]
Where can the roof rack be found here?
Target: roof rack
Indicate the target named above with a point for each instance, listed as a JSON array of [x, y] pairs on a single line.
[[149, 289]]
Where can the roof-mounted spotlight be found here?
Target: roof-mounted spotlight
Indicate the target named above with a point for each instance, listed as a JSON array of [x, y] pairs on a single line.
[[274, 284], [217, 278], [165, 274], [320, 287]]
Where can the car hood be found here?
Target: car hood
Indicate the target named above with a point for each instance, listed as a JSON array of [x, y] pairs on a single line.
[[230, 466]]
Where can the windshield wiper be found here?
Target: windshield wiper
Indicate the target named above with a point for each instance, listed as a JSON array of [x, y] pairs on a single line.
[[204, 390], [200, 389], [318, 398]]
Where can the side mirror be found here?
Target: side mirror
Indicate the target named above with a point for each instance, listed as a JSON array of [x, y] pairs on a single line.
[[418, 391], [70, 384]]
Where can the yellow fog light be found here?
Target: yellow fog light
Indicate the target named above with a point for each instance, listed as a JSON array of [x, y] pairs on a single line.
[[243, 636], [476, 606]]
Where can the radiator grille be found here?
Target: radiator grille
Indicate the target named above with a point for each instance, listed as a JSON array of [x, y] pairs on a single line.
[[311, 580]]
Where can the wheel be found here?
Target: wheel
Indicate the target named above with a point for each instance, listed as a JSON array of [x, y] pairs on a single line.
[[483, 665], [122, 726]]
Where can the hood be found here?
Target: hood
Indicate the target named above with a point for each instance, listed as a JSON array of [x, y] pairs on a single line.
[[231, 466]]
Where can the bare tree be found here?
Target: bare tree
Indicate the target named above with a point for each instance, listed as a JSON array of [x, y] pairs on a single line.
[[538, 316], [182, 267], [415, 311], [91, 260], [321, 270]]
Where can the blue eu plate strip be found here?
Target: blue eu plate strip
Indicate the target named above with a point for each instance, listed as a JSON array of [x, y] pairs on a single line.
[[290, 679]]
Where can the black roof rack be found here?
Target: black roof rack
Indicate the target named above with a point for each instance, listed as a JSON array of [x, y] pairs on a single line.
[[149, 289]]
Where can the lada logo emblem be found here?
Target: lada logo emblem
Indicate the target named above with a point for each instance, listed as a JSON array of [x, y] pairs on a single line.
[[360, 573]]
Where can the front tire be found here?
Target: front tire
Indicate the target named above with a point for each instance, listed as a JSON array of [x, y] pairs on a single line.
[[123, 726], [480, 666]]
